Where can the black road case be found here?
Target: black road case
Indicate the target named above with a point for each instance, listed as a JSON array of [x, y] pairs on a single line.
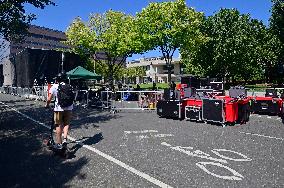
[[265, 106], [213, 110], [193, 113], [169, 108]]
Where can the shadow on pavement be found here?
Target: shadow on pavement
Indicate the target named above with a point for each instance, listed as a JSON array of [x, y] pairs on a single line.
[[82, 117], [87, 141], [24, 161]]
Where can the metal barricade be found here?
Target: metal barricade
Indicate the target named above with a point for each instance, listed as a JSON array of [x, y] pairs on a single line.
[[135, 100], [40, 92], [37, 92], [2, 90], [106, 98], [81, 97]]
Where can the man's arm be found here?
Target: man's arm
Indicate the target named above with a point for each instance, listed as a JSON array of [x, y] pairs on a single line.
[[48, 100]]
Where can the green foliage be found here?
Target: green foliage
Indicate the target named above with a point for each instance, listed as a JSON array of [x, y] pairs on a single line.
[[277, 18], [14, 21], [168, 26], [80, 38], [258, 87], [133, 72], [150, 86], [102, 68], [277, 23], [112, 33], [239, 47]]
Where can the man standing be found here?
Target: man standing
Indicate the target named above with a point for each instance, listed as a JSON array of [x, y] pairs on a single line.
[[64, 97]]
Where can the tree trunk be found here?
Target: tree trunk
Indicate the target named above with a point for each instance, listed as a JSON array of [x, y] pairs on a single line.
[[14, 81], [233, 80], [169, 73]]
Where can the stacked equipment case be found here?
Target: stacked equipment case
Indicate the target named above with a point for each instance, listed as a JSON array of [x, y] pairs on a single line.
[[270, 104], [193, 100], [193, 109], [170, 109], [266, 105]]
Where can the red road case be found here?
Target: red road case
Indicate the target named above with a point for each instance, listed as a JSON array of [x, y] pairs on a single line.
[[266, 105]]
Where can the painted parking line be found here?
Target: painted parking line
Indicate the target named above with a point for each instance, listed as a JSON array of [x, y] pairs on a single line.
[[268, 117], [102, 154], [260, 135], [140, 132]]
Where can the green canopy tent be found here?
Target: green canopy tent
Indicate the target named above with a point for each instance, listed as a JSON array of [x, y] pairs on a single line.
[[82, 73]]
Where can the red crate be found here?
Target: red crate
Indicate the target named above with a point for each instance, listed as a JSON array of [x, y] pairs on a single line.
[[192, 102], [231, 111]]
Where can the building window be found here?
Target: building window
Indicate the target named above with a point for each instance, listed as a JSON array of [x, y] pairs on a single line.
[[165, 67], [148, 67]]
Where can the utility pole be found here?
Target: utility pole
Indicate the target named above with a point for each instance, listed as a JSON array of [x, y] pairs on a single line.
[[62, 61]]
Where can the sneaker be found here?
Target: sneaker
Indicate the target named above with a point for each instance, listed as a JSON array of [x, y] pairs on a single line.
[[64, 143], [58, 146]]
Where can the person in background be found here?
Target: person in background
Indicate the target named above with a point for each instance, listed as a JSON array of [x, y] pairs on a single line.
[[172, 89], [173, 85], [154, 88], [138, 88], [119, 85]]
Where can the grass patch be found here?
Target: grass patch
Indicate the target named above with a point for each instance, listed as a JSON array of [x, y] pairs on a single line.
[[161, 86], [150, 86], [257, 87]]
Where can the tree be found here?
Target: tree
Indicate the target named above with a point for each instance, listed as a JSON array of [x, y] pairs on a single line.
[[133, 72], [277, 28], [110, 35], [277, 22], [238, 47], [168, 26], [268, 52], [14, 21]]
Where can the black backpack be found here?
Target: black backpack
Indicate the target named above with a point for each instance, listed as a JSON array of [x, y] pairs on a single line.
[[65, 95]]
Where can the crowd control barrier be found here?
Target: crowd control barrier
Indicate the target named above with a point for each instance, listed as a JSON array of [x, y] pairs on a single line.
[[36, 92], [131, 100]]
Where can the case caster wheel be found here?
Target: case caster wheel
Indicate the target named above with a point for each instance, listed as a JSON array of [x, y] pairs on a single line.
[[113, 111]]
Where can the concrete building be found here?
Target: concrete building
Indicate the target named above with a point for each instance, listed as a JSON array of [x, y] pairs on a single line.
[[156, 69], [37, 57]]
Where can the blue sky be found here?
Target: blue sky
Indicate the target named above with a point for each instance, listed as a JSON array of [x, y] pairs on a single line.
[[60, 16]]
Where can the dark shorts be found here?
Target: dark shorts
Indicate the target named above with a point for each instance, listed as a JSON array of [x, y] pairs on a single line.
[[62, 118]]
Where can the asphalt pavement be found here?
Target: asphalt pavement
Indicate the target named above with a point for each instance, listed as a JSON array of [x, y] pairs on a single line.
[[137, 149]]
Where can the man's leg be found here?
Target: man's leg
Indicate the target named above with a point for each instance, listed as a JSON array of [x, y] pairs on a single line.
[[59, 134], [58, 126], [65, 131], [66, 121]]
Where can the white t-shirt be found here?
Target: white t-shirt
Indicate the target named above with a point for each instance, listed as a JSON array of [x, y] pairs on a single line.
[[53, 90]]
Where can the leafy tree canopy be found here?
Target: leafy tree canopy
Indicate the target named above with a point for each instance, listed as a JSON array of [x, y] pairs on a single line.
[[238, 47], [168, 26], [133, 72], [277, 18], [277, 23], [111, 33]]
